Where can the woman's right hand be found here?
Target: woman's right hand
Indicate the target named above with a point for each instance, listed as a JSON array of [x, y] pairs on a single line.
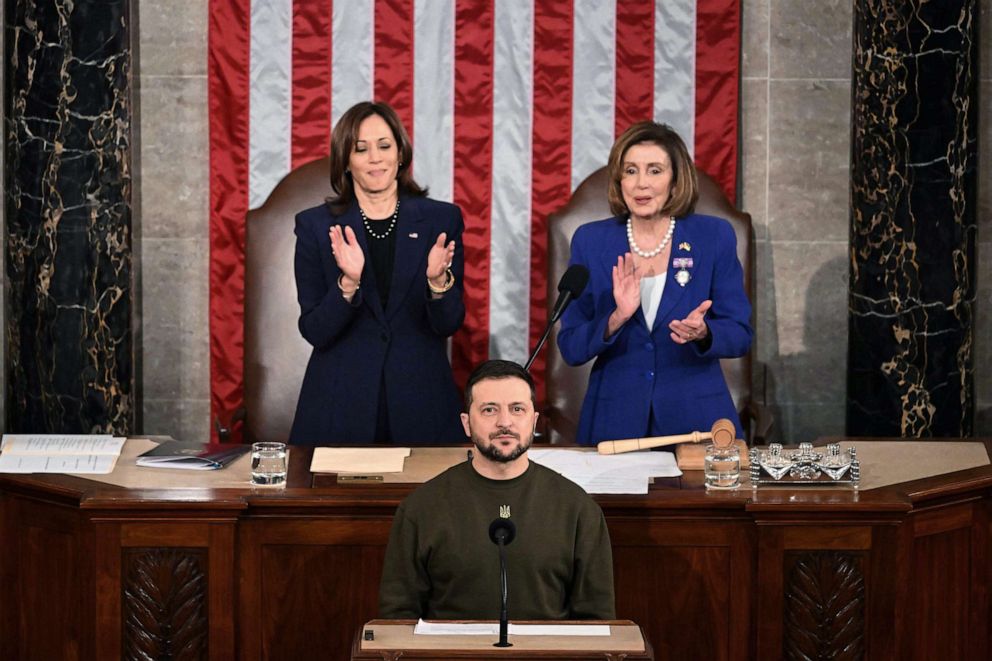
[[347, 253], [626, 293]]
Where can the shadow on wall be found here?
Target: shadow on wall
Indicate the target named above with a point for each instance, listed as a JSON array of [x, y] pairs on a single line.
[[805, 389]]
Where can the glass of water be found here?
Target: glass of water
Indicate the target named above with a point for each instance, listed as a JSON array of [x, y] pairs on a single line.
[[722, 467], [268, 463]]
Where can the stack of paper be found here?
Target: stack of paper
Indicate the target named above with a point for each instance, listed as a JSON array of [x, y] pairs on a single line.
[[54, 453], [358, 460], [492, 629], [614, 473]]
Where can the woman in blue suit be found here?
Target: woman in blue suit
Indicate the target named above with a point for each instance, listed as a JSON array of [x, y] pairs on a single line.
[[665, 299], [378, 276]]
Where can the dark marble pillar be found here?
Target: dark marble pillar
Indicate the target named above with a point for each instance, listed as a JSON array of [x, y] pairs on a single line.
[[70, 300], [914, 160]]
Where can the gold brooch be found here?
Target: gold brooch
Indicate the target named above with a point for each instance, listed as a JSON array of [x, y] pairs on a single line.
[[685, 246]]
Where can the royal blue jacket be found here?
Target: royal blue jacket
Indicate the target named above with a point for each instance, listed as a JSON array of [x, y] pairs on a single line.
[[639, 369], [359, 345]]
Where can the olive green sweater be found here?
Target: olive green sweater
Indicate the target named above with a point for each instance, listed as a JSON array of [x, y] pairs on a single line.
[[441, 564]]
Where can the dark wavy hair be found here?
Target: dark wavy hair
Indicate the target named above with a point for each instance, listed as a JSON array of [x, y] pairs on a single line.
[[685, 186], [498, 369], [343, 140]]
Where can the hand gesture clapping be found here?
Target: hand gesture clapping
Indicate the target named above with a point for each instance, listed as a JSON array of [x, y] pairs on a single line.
[[439, 260], [626, 293], [693, 328], [347, 253]]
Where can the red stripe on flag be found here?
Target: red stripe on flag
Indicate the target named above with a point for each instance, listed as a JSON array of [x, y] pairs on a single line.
[[718, 55], [473, 156], [311, 111], [227, 71], [552, 153], [634, 64], [394, 57]]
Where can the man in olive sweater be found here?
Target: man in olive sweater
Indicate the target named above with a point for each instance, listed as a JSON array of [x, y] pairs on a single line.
[[440, 562]]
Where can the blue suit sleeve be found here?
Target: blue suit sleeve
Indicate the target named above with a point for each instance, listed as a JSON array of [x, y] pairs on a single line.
[[583, 326], [446, 314], [729, 318], [324, 313]]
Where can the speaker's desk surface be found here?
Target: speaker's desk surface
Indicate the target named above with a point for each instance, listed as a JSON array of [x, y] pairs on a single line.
[[395, 639], [100, 570]]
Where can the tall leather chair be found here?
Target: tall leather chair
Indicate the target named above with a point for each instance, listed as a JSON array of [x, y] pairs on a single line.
[[566, 385], [275, 354]]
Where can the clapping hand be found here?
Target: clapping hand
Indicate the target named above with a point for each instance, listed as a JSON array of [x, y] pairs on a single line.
[[626, 293], [347, 253], [439, 260], [693, 328]]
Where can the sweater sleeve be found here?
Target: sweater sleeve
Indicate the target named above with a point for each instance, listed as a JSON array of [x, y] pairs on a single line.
[[405, 585], [592, 584]]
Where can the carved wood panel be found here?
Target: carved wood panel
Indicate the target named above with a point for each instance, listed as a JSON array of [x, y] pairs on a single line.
[[164, 603], [824, 606]]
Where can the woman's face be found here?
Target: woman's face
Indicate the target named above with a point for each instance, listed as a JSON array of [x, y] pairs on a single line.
[[374, 159], [646, 180]]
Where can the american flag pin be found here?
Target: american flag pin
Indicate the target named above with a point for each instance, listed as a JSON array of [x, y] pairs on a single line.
[[413, 235]]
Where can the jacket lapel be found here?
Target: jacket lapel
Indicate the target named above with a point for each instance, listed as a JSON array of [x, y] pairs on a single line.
[[370, 290], [413, 237], [673, 292]]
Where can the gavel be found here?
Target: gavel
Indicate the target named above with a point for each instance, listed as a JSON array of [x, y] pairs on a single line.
[[721, 433]]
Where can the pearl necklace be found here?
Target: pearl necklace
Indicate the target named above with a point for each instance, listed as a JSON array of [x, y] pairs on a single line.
[[392, 223], [649, 254]]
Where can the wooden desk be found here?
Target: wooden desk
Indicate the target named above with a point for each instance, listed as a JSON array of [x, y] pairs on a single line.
[[394, 639], [92, 571]]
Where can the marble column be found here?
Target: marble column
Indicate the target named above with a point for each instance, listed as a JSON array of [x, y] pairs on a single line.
[[70, 302], [914, 162]]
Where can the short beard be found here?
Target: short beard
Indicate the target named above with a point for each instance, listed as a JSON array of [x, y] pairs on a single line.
[[493, 453]]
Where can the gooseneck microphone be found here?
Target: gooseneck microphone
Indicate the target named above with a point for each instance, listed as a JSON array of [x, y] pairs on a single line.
[[501, 532], [570, 287]]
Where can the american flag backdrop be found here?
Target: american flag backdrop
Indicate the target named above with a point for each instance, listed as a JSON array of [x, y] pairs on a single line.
[[510, 105]]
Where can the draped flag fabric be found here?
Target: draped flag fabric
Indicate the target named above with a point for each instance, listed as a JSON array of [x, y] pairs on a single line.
[[510, 105]]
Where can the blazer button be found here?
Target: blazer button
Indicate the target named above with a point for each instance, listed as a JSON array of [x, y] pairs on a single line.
[[649, 346], [384, 337], [650, 375]]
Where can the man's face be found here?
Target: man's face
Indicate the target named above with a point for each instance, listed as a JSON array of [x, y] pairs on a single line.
[[501, 419]]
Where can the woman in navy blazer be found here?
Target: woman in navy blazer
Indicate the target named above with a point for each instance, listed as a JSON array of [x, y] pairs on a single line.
[[665, 299], [378, 276]]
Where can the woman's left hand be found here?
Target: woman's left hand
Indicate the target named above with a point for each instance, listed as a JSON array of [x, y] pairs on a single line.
[[693, 328], [439, 260]]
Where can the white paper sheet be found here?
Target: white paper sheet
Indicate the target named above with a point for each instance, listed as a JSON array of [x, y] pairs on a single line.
[[492, 629], [61, 444], [617, 473], [57, 463], [358, 460]]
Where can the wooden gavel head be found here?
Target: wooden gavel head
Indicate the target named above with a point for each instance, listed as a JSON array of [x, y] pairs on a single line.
[[722, 433]]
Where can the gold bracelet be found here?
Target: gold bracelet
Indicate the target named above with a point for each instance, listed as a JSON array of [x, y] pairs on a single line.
[[449, 282], [344, 291]]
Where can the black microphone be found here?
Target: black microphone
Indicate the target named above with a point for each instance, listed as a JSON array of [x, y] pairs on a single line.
[[570, 287], [502, 531]]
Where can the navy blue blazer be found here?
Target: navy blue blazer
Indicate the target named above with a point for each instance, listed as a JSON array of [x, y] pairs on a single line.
[[638, 368], [358, 345]]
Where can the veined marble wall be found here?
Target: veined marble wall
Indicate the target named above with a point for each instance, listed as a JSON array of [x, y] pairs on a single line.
[[796, 141]]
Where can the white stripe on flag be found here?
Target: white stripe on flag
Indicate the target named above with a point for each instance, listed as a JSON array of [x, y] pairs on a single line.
[[269, 100], [675, 67], [353, 52], [509, 266], [433, 96], [594, 86]]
